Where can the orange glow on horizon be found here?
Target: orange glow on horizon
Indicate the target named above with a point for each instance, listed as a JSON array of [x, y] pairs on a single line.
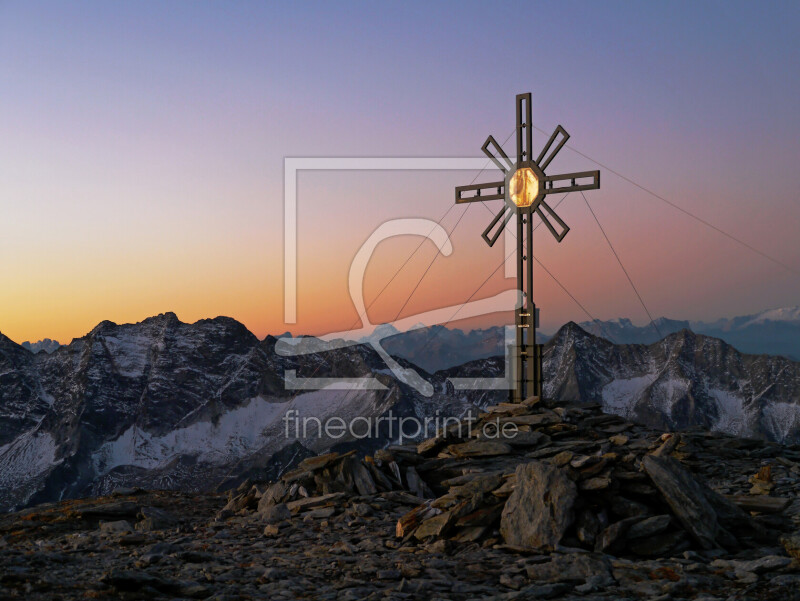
[[143, 163]]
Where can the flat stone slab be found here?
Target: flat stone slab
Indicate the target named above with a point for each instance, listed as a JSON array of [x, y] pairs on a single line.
[[479, 449]]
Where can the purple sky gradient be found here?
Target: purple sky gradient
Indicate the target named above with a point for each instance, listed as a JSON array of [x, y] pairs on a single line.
[[142, 147]]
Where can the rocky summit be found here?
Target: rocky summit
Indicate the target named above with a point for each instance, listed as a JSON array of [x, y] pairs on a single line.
[[531, 501]]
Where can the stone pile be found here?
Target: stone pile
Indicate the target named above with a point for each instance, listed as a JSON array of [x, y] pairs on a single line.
[[566, 503], [534, 476], [565, 476]]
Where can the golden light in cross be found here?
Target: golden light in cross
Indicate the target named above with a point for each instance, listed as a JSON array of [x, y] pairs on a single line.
[[523, 188]]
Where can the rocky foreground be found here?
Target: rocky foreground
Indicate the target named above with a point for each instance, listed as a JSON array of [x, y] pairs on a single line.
[[565, 503]]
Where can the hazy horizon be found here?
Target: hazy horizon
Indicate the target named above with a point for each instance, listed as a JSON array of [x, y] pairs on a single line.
[[466, 328]]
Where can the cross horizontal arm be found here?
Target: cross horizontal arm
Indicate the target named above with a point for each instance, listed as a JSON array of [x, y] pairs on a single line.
[[574, 182], [480, 192]]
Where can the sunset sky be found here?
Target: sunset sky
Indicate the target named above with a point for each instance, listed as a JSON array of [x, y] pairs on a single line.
[[142, 152]]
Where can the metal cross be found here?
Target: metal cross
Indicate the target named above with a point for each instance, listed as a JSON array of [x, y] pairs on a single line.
[[524, 188]]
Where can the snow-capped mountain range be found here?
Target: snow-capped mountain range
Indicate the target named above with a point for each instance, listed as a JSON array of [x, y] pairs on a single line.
[[165, 404], [685, 380], [771, 332]]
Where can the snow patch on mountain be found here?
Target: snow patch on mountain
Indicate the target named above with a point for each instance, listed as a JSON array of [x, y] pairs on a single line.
[[730, 411], [781, 419], [130, 352], [26, 458], [234, 434], [666, 391], [238, 432], [784, 314], [620, 396]]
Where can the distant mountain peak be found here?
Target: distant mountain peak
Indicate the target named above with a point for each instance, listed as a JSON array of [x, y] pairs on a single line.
[[168, 317], [570, 328], [782, 314], [622, 321], [103, 326], [46, 345], [573, 330], [384, 329]]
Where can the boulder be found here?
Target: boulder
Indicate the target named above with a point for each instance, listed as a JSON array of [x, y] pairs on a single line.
[[762, 504], [435, 526], [274, 494], [539, 511], [532, 438], [412, 520], [480, 484], [360, 474], [313, 502], [612, 539], [275, 513]]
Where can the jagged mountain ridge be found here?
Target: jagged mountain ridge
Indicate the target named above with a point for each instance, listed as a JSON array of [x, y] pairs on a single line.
[[624, 331], [164, 404], [683, 381], [771, 332]]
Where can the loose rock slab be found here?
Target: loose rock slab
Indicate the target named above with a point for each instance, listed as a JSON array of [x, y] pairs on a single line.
[[479, 449], [539, 511], [686, 498]]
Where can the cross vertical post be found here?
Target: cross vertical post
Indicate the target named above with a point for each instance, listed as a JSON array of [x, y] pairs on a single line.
[[523, 190], [519, 354], [533, 360], [527, 354]]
